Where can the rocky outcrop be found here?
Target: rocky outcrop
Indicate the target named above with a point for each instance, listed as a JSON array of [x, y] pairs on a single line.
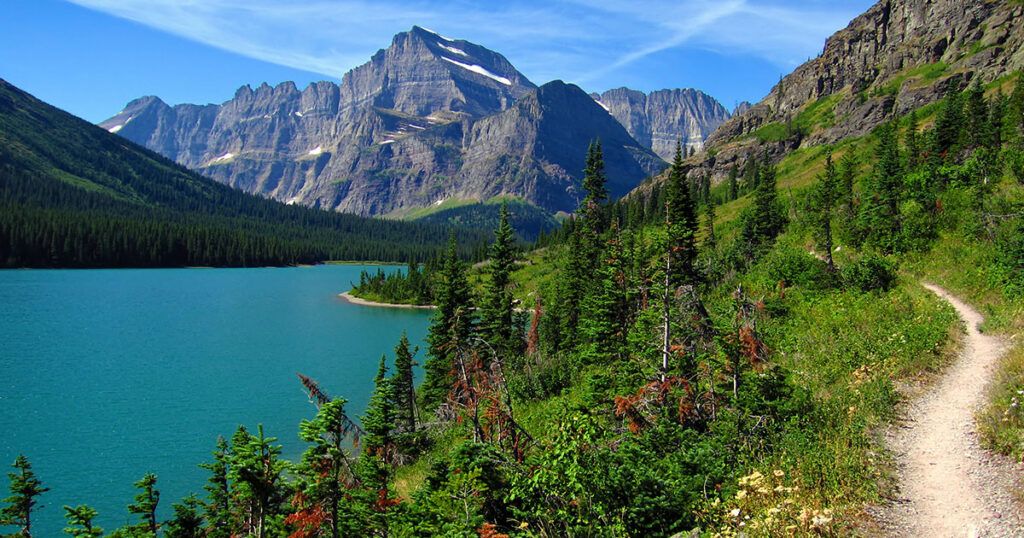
[[427, 120], [897, 56], [659, 119]]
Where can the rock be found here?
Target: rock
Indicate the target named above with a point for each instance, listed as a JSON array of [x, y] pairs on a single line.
[[426, 120], [890, 58], [661, 118]]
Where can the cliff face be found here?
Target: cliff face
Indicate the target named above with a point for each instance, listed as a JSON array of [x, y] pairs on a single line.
[[426, 120], [897, 56], [657, 120]]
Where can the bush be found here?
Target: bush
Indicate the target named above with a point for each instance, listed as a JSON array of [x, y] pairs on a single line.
[[871, 272]]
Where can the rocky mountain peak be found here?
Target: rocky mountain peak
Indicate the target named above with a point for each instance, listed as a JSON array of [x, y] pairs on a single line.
[[663, 117], [897, 56]]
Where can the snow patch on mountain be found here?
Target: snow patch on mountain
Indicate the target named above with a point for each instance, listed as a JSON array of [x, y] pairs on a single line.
[[453, 50], [316, 151], [480, 71]]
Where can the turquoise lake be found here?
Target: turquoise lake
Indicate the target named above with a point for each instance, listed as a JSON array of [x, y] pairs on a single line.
[[106, 375]]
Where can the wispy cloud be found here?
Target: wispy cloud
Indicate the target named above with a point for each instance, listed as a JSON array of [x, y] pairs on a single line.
[[581, 40]]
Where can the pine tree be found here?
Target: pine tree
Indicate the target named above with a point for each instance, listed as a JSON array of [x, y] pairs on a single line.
[[681, 225], [825, 199], [603, 322], [187, 522], [405, 393], [450, 329], [80, 522], [256, 471], [594, 182], [378, 423], [913, 142], [325, 475], [25, 489], [217, 508], [496, 316], [977, 115], [709, 221], [766, 219], [146, 502], [751, 174], [880, 214], [948, 125]]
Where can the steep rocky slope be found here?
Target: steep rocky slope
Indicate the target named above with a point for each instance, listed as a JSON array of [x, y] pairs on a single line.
[[426, 121], [657, 120], [897, 56]]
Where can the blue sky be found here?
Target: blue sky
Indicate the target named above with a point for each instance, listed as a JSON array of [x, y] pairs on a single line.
[[91, 57]]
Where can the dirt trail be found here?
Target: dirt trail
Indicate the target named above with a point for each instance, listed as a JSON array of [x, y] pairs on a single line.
[[949, 484]]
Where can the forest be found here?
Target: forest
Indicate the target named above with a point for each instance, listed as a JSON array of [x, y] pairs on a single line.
[[73, 195], [699, 357]]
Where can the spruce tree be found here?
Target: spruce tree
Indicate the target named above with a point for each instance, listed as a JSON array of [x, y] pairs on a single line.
[[681, 225], [913, 142], [378, 423], [603, 322], [217, 508], [324, 473], [948, 125], [80, 522], [977, 115], [496, 316], [709, 219], [765, 220], [825, 199], [256, 471], [187, 521], [25, 489], [405, 393], [450, 329], [880, 214], [146, 502], [594, 182]]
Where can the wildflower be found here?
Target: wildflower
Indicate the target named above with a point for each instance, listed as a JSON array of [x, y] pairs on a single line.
[[778, 473], [741, 494], [735, 512]]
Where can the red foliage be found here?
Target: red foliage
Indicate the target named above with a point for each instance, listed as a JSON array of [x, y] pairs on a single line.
[[308, 519], [490, 531]]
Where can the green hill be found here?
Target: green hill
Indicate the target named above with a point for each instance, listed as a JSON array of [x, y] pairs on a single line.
[[74, 195]]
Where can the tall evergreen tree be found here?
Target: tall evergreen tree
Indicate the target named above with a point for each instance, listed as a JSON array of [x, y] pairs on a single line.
[[948, 125], [146, 502], [325, 475], [450, 329], [217, 508], [25, 490], [681, 225], [977, 116], [603, 322], [405, 392], [496, 316], [880, 214], [765, 220], [750, 174], [256, 471], [594, 182], [825, 201], [709, 221], [378, 423], [913, 142]]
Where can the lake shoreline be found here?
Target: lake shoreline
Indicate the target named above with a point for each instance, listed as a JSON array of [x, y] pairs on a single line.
[[352, 299]]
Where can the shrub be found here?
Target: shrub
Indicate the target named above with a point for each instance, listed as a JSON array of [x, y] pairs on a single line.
[[871, 272]]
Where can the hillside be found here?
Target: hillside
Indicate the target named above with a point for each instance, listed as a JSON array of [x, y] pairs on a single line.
[[74, 195], [896, 57]]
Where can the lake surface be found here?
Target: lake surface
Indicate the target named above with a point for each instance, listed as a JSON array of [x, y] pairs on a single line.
[[106, 375]]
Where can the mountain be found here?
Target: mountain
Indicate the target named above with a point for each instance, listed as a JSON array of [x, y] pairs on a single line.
[[895, 57], [657, 120], [74, 195], [429, 121]]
